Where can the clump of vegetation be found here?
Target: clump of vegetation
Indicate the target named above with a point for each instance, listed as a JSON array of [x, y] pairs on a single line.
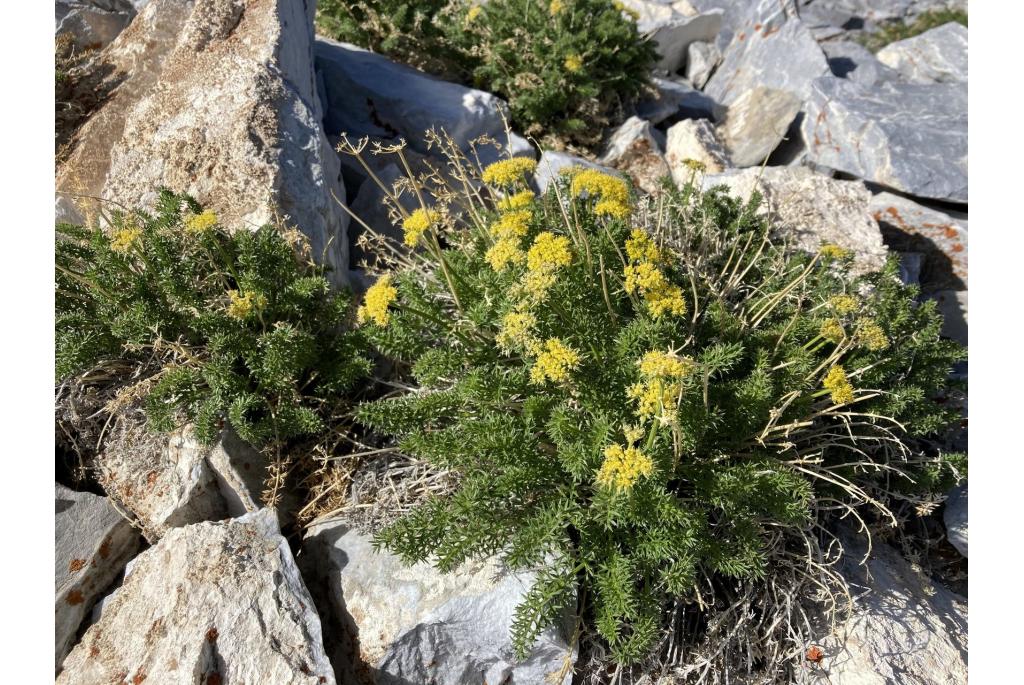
[[566, 67], [892, 31], [211, 326], [647, 400]]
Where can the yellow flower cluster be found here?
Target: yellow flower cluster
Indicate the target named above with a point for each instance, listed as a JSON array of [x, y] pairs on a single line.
[[520, 200], [871, 335], [473, 13], [537, 283], [622, 467], [514, 224], [695, 164], [657, 394], [504, 252], [242, 305], [123, 239], [617, 4], [516, 331], [201, 223], [656, 364], [833, 252], [611, 193], [573, 63], [548, 253], [832, 330], [662, 297], [555, 361], [418, 223], [640, 247], [375, 305], [508, 172], [555, 7], [837, 384], [844, 304]]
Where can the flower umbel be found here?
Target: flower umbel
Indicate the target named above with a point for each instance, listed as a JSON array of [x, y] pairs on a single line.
[[548, 253], [554, 362], [871, 335], [508, 172], [573, 63], [201, 223], [241, 305], [623, 467], [555, 7], [520, 200], [375, 305], [417, 223], [123, 239], [504, 252], [656, 364], [515, 224], [844, 304], [833, 252], [837, 384], [516, 331], [832, 330]]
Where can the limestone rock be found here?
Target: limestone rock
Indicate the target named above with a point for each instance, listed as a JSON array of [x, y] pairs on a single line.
[[755, 124], [211, 603], [92, 544], [636, 149], [701, 60], [781, 55], [856, 63], [952, 304], [810, 210], [92, 23], [911, 137], [223, 107], [905, 629], [673, 98], [673, 31], [694, 139], [414, 624], [955, 518], [552, 162], [937, 55]]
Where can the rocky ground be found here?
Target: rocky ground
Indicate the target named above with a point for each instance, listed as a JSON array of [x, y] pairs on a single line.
[[238, 103]]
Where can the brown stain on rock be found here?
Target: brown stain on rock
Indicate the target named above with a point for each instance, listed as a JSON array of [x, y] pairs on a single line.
[[74, 598], [76, 565]]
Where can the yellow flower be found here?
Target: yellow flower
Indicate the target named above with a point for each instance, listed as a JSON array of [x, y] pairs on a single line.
[[417, 223], [666, 300], [123, 239], [517, 201], [695, 165], [537, 283], [837, 383], [871, 335], [508, 172], [473, 13], [623, 467], [656, 364], [844, 304], [200, 223], [833, 252], [375, 305], [555, 7], [573, 63], [548, 253], [643, 277], [832, 330], [601, 185], [515, 224], [554, 362], [241, 305], [516, 331], [655, 399], [504, 252], [640, 247], [611, 208]]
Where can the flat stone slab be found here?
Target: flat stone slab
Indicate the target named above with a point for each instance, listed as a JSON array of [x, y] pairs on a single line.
[[935, 56]]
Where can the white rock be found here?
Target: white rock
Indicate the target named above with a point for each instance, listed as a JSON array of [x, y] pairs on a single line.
[[701, 60], [92, 23], [809, 210], [906, 630], [92, 544], [416, 625], [756, 122], [955, 518], [551, 164], [636, 149], [854, 62], [675, 98], [230, 116], [673, 31], [211, 603], [937, 55], [694, 139]]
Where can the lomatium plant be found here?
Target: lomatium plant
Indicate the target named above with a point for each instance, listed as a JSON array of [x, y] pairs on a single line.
[[214, 326], [641, 398]]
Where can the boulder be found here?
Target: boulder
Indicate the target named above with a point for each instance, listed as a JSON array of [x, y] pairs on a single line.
[[740, 14], [756, 122], [856, 63], [935, 56], [401, 624], [211, 603], [955, 518], [674, 98], [809, 210], [911, 137], [940, 239], [694, 139], [92, 24], [952, 304], [216, 98], [905, 629], [671, 30], [552, 163], [635, 148], [701, 60], [365, 94], [780, 54], [92, 544]]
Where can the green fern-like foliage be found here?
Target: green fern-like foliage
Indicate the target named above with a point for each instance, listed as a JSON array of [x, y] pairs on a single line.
[[638, 395], [238, 327]]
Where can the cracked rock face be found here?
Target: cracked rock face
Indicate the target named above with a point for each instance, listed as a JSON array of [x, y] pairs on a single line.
[[755, 124], [211, 603], [935, 56]]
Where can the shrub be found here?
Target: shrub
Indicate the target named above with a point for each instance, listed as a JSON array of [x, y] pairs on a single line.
[[219, 326], [641, 397]]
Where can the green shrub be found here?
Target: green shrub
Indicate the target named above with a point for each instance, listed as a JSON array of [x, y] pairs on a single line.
[[566, 67], [233, 327], [638, 396]]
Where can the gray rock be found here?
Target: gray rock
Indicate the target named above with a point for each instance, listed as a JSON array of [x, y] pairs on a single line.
[[955, 518], [939, 238], [636, 150], [405, 624], [211, 603], [809, 210], [701, 60], [740, 14], [92, 23], [856, 63], [905, 629], [552, 163], [911, 264], [910, 137], [755, 124], [675, 98], [938, 55], [694, 139], [782, 56], [92, 544], [673, 31], [952, 304]]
